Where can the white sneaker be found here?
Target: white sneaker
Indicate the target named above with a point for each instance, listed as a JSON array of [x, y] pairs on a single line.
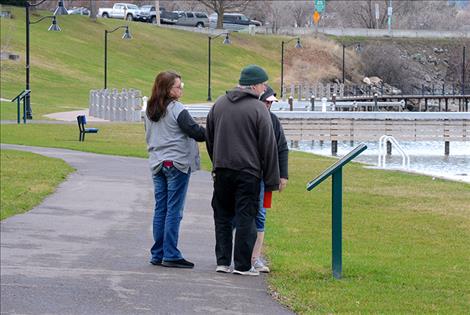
[[223, 269], [251, 272], [260, 266]]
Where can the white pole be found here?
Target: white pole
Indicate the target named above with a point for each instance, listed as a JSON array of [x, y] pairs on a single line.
[[390, 16]]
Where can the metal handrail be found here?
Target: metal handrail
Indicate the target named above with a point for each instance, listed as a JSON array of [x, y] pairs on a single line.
[[23, 94], [383, 151], [18, 98]]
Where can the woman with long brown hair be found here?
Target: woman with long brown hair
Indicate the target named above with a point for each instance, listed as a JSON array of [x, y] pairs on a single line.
[[173, 153]]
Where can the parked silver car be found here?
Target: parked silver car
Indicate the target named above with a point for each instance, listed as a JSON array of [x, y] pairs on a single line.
[[198, 19], [79, 11]]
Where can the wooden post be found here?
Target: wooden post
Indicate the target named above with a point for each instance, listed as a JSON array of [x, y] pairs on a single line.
[[446, 147], [312, 103], [389, 148], [334, 147]]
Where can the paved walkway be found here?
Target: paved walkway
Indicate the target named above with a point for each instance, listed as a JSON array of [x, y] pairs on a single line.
[[84, 250]]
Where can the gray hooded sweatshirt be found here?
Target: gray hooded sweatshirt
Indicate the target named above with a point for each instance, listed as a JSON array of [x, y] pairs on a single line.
[[240, 137]]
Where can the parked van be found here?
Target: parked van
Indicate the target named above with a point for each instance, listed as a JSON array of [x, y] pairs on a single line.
[[232, 21]]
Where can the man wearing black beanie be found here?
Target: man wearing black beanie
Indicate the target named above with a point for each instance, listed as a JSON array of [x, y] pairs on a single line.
[[242, 146]]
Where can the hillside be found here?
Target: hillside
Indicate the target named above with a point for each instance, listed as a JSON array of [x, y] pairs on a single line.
[[406, 63], [66, 65]]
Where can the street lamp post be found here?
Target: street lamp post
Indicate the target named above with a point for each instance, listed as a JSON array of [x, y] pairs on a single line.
[[226, 42], [53, 27], [297, 45], [358, 47], [127, 35]]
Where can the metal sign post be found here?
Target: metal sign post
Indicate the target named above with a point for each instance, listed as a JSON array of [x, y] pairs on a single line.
[[336, 170]]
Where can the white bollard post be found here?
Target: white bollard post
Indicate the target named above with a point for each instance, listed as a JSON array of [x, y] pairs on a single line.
[[99, 96], [107, 107], [96, 103], [122, 108], [91, 105], [136, 106], [112, 106], [144, 107], [104, 103], [120, 99], [129, 107], [323, 104]]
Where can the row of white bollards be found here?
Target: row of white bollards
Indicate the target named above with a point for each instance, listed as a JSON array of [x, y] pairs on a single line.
[[116, 106]]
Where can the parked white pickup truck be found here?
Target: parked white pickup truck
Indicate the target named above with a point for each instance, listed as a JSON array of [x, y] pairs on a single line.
[[120, 11]]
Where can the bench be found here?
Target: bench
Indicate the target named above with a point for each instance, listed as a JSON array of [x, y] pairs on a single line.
[[81, 120]]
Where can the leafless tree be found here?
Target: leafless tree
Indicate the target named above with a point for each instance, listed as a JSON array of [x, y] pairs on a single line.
[[275, 11], [407, 14], [93, 9], [222, 6], [426, 15], [301, 11]]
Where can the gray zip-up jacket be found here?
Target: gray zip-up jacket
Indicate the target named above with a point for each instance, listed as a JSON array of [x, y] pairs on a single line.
[[240, 136]]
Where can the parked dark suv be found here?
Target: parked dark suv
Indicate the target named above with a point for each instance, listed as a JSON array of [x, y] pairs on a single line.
[[149, 14]]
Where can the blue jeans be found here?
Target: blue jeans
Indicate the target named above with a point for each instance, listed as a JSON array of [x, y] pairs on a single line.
[[170, 187], [261, 215]]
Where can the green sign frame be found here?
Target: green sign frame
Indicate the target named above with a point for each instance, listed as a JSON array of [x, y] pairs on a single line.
[[336, 170]]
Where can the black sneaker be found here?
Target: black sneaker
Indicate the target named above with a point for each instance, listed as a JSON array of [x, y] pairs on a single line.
[[156, 262], [180, 263]]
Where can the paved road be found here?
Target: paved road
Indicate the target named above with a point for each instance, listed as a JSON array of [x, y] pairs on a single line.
[[84, 250]]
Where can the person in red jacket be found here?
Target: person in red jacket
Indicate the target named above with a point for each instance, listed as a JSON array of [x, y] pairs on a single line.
[[268, 97]]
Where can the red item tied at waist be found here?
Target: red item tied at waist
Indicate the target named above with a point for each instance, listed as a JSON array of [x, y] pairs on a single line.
[[167, 163], [268, 197]]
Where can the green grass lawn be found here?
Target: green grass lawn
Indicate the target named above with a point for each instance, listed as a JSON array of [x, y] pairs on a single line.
[[66, 65], [26, 179], [406, 243], [406, 237]]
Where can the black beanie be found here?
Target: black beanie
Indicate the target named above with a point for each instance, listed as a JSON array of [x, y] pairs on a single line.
[[252, 75]]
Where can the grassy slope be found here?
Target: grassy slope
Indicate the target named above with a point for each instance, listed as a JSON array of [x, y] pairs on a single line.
[[24, 186], [66, 65]]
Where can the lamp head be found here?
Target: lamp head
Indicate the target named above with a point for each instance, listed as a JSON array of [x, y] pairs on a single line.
[[298, 44], [60, 10], [127, 34], [227, 40], [359, 48], [54, 26]]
